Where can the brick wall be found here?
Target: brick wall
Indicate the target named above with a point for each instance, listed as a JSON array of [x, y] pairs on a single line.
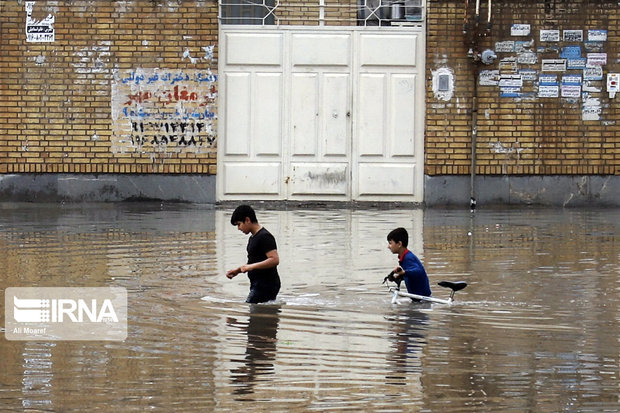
[[101, 97], [523, 130], [85, 103], [307, 13]]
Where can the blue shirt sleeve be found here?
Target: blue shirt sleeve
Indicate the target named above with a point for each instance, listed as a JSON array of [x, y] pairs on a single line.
[[412, 265]]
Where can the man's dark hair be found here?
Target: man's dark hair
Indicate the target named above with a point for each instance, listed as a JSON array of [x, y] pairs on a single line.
[[241, 213], [399, 234]]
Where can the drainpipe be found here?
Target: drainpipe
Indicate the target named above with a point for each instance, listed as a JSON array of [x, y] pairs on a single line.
[[472, 36], [474, 136]]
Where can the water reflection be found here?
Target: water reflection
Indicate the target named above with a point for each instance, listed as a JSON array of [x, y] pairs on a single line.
[[408, 338], [536, 330], [260, 353], [37, 381]]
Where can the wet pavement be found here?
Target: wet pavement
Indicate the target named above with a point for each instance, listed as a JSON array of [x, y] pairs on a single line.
[[536, 329]]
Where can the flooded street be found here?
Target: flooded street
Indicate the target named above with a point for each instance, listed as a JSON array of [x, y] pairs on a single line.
[[536, 330]]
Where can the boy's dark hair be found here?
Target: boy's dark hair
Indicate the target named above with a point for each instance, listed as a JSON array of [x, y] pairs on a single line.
[[241, 213], [399, 234]]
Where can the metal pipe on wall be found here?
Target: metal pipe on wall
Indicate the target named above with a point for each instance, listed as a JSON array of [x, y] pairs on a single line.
[[489, 11], [476, 35], [466, 19], [474, 139]]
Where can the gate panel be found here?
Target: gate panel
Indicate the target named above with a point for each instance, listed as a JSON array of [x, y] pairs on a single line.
[[252, 48], [242, 178], [304, 113], [319, 179], [385, 49], [336, 128], [402, 110], [370, 116], [238, 127], [267, 114], [321, 49], [385, 182], [321, 131]]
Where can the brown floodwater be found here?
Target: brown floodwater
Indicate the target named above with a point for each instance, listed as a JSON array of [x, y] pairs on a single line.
[[536, 330]]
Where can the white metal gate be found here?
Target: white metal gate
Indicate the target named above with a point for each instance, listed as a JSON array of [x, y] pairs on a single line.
[[321, 114]]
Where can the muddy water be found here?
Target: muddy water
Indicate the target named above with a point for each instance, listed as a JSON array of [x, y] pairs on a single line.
[[536, 330]]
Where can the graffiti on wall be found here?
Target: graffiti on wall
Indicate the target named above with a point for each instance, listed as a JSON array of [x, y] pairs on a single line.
[[160, 110], [566, 64]]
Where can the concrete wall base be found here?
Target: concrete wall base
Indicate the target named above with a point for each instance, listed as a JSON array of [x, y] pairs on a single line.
[[547, 190], [106, 188], [444, 190]]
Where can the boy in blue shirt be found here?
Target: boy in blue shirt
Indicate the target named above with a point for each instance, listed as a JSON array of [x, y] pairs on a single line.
[[410, 268]]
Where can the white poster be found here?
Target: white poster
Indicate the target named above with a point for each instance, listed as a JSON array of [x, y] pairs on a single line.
[[39, 31], [591, 110], [571, 91], [597, 59], [510, 80], [553, 65], [597, 35], [520, 30], [593, 73], [548, 91], [507, 46], [549, 35], [489, 78], [573, 35]]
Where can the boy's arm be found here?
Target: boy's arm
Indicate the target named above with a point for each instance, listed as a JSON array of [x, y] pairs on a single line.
[[409, 266], [272, 260], [232, 273], [412, 267]]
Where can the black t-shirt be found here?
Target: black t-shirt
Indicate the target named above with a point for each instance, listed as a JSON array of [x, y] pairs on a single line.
[[259, 245]]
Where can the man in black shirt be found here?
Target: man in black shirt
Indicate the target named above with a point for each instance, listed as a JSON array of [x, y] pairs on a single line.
[[262, 257]]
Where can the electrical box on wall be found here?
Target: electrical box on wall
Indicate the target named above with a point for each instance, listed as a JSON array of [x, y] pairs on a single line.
[[613, 84], [443, 82]]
